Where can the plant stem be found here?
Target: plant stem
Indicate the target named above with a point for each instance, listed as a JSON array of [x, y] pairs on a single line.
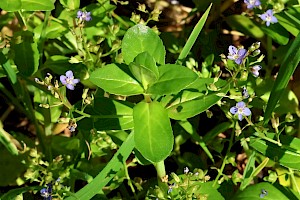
[[129, 180], [161, 173], [220, 172], [294, 180], [269, 51]]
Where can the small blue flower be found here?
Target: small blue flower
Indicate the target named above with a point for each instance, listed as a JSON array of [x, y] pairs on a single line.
[[68, 80], [255, 70], [268, 17], [84, 15], [237, 55], [47, 192], [252, 3], [241, 110], [263, 193]]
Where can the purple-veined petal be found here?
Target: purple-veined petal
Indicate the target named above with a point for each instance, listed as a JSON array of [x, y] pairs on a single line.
[[242, 52], [232, 50], [63, 79], [263, 17], [69, 74], [233, 110], [239, 61], [79, 13]]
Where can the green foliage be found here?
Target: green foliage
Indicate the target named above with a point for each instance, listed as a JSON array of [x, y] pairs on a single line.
[[139, 39], [152, 131]]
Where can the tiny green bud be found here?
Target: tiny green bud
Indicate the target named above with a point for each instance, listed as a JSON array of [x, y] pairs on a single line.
[[289, 117], [175, 177], [142, 8], [256, 52]]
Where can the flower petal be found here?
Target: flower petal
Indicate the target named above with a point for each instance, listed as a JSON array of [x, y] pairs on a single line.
[[233, 110], [70, 86], [232, 50], [240, 116], [69, 74], [242, 52], [241, 104], [76, 80], [247, 111], [63, 79]]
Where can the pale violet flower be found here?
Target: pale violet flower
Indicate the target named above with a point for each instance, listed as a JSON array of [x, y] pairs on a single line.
[[241, 110], [68, 80], [255, 70], [268, 17], [84, 15], [252, 3], [237, 55]]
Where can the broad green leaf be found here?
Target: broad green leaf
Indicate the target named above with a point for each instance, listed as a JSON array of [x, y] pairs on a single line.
[[70, 4], [54, 29], [194, 35], [10, 5], [108, 173], [116, 79], [108, 114], [141, 38], [172, 79], [144, 69], [287, 68], [27, 5], [37, 5], [211, 193], [153, 134], [245, 25], [287, 155], [26, 53], [253, 192], [10, 72], [277, 33], [188, 103]]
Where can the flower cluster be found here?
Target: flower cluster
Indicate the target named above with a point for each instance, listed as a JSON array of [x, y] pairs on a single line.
[[252, 3], [268, 16]]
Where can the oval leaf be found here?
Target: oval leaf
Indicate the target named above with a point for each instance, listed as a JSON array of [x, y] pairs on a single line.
[[144, 69], [188, 103], [172, 79], [254, 192], [10, 5], [153, 134], [26, 54], [37, 5], [141, 38], [116, 79]]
